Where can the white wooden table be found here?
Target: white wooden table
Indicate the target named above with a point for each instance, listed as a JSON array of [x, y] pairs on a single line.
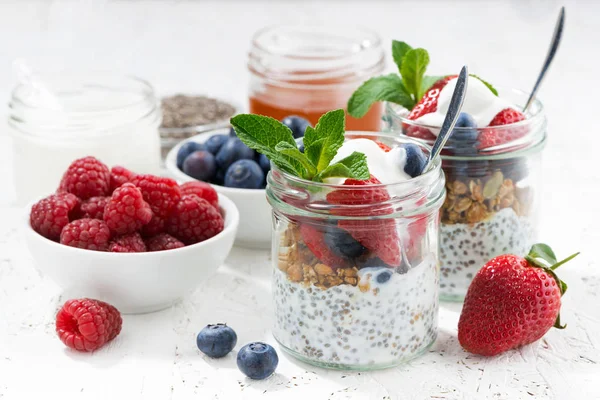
[[201, 47]]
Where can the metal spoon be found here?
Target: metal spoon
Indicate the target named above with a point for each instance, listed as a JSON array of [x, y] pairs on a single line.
[[456, 103], [556, 36]]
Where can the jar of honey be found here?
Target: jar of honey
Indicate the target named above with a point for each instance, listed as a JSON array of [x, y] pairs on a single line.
[[309, 70]]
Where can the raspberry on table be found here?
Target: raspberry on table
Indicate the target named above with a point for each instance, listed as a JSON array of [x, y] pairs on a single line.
[[203, 190], [130, 243], [86, 233], [87, 324], [93, 207], [154, 227], [163, 241], [120, 175], [126, 211], [50, 215], [161, 193], [194, 220], [86, 177]]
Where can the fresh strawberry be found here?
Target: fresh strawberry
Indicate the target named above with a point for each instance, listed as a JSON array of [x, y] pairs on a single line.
[[383, 146], [495, 137], [314, 239], [426, 105], [512, 301], [378, 235]]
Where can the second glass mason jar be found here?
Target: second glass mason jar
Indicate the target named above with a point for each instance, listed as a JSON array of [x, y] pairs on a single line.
[[339, 304], [309, 70], [493, 194]]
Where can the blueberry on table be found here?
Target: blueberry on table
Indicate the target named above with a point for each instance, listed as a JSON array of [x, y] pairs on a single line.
[[296, 124], [200, 165], [342, 243], [216, 340], [244, 174], [415, 159], [264, 163], [185, 150], [214, 143], [231, 151], [257, 360]]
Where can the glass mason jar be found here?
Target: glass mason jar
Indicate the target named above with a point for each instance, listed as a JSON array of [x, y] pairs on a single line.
[[309, 70], [341, 305], [493, 194], [113, 118]]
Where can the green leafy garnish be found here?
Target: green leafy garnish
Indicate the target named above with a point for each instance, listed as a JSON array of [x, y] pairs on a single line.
[[405, 89], [321, 144], [489, 85], [542, 256]]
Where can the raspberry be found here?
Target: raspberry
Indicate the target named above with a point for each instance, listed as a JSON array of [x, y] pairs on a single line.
[[50, 215], [120, 175], [202, 190], [93, 207], [86, 177], [194, 220], [161, 193], [163, 241], [126, 211], [86, 233], [87, 324], [154, 227], [131, 243]]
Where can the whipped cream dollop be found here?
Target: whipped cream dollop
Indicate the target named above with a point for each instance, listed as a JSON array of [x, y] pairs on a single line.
[[480, 102], [387, 167]]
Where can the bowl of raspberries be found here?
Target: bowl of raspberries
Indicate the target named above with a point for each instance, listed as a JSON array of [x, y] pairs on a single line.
[[139, 242], [220, 158]]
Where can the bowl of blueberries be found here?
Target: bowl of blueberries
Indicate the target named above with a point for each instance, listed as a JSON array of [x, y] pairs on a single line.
[[220, 158]]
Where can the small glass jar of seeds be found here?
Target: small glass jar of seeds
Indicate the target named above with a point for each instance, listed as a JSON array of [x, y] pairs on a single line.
[[493, 194], [355, 283]]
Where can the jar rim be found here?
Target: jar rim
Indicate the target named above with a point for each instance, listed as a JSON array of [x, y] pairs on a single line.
[[534, 141]]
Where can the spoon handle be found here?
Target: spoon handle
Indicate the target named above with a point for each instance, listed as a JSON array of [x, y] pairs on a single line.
[[456, 103], [556, 36]]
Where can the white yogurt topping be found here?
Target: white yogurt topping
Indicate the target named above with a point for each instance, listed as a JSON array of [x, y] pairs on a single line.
[[387, 167], [480, 102]]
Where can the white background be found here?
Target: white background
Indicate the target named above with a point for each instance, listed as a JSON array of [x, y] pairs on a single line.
[[201, 47]]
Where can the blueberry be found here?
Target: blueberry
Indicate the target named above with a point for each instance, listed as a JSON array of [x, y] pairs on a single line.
[[301, 148], [415, 159], [231, 151], [257, 360], [214, 143], [217, 340], [342, 243], [219, 178], [245, 174], [232, 132], [185, 150], [384, 276], [296, 124], [463, 140], [200, 165], [264, 163]]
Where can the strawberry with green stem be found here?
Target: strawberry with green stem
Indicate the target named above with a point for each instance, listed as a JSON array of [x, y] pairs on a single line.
[[512, 301]]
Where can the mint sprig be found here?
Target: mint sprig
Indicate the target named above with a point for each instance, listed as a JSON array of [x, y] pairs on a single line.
[[405, 89], [321, 144]]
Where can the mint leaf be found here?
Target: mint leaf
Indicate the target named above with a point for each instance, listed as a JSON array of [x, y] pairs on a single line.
[[263, 134], [354, 166], [382, 88], [489, 85], [428, 82], [399, 50], [293, 152], [412, 70], [322, 142]]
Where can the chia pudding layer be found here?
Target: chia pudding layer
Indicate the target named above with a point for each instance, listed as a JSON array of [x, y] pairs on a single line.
[[465, 248], [368, 325]]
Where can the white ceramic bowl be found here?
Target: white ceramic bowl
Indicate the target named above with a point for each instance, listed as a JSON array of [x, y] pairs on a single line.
[[255, 211], [133, 282]]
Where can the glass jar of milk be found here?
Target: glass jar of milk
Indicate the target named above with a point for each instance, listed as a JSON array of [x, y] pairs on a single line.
[[59, 118]]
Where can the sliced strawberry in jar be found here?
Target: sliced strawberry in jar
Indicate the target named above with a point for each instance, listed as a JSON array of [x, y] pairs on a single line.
[[378, 235], [496, 137], [314, 239]]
